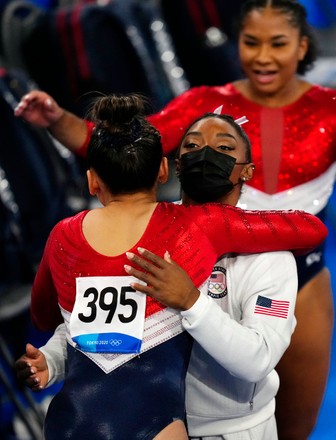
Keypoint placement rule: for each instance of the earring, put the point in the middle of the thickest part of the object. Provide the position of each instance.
(244, 178)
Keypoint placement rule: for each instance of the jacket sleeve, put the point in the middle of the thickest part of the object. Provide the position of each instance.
(55, 352)
(249, 341)
(232, 229)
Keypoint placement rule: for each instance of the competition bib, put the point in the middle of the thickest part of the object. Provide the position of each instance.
(108, 315)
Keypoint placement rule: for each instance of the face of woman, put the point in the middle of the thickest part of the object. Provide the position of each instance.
(215, 133)
(218, 135)
(270, 48)
(209, 173)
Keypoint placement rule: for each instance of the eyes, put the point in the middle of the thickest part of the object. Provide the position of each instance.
(274, 44)
(194, 146)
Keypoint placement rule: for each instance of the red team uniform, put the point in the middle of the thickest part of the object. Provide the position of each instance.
(133, 393)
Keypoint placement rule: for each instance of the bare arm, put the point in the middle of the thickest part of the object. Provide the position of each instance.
(40, 109)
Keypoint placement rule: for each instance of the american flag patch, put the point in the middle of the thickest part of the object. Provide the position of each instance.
(217, 277)
(272, 307)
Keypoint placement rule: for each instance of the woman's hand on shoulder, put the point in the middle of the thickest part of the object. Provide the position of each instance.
(165, 280)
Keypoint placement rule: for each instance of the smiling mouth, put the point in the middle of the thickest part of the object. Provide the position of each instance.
(264, 76)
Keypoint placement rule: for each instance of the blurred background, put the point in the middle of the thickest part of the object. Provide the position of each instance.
(75, 50)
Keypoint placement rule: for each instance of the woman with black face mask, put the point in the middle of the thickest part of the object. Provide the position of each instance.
(210, 164)
(243, 321)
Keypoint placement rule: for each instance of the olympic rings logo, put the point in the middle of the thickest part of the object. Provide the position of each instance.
(217, 286)
(115, 342)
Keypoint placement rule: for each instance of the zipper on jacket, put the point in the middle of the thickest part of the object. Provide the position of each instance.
(252, 397)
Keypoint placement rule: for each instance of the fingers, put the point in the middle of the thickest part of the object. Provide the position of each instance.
(28, 360)
(28, 375)
(19, 109)
(32, 352)
(143, 263)
(21, 365)
(33, 382)
(141, 276)
(155, 267)
(31, 100)
(24, 104)
(153, 274)
(32, 369)
(167, 257)
(158, 261)
(135, 272)
(142, 288)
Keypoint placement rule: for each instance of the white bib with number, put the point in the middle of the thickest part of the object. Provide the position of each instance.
(108, 315)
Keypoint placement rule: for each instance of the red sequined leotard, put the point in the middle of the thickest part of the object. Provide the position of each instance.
(103, 393)
(293, 147)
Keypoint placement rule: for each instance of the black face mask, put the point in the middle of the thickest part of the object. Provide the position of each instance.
(205, 174)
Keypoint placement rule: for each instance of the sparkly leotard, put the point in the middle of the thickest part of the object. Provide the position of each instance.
(293, 148)
(112, 396)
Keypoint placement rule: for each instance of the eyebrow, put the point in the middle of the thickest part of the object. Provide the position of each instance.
(219, 135)
(275, 37)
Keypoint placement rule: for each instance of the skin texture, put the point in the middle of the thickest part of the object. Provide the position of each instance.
(270, 48)
(40, 109)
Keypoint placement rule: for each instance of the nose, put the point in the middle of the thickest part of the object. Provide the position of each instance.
(263, 54)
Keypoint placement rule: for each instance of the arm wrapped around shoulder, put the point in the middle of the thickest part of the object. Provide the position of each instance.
(261, 231)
